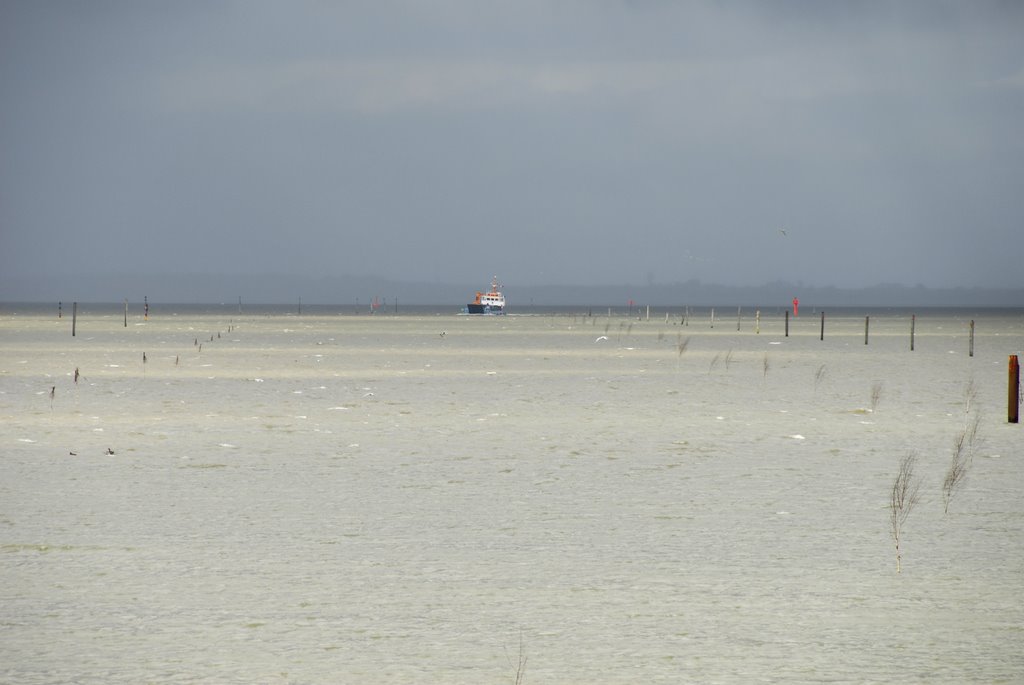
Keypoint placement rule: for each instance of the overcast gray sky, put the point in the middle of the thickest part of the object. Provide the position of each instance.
(558, 141)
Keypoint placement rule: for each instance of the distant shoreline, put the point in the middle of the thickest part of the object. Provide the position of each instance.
(354, 291)
(722, 313)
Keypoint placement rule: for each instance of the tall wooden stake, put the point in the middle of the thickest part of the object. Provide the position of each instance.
(1013, 392)
(787, 323)
(822, 325)
(74, 317)
(126, 312)
(970, 346)
(913, 322)
(866, 319)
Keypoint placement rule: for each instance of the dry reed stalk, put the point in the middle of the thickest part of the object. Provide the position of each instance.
(903, 497)
(876, 394)
(520, 665)
(714, 362)
(963, 457)
(970, 395)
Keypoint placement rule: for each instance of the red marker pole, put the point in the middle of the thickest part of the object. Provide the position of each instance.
(1013, 394)
(796, 307)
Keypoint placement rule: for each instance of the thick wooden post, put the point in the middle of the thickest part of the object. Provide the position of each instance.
(913, 322)
(822, 325)
(866, 321)
(787, 323)
(1013, 392)
(970, 345)
(74, 317)
(126, 312)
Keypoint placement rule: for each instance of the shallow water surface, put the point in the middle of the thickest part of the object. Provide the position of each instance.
(413, 499)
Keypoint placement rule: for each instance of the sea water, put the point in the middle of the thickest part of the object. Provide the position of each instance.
(262, 496)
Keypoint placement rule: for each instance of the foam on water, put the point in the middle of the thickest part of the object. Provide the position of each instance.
(359, 499)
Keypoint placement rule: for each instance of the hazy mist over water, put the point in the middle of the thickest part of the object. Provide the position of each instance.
(335, 496)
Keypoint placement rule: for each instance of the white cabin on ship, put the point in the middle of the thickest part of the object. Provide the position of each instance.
(491, 302)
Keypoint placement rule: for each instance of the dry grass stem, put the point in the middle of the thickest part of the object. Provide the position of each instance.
(905, 489)
(520, 665)
(714, 362)
(682, 343)
(970, 395)
(963, 457)
(876, 394)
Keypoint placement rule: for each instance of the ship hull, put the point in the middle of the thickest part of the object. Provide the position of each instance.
(476, 308)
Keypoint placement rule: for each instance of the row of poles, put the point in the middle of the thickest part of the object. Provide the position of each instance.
(1013, 385)
(1013, 395)
(867, 329)
(74, 313)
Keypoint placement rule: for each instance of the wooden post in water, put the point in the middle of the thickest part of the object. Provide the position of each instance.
(787, 323)
(970, 345)
(913, 322)
(74, 317)
(866, 319)
(1013, 392)
(126, 312)
(822, 325)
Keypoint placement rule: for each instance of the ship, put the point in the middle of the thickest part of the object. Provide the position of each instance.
(491, 302)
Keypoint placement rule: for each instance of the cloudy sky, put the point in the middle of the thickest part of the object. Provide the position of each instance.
(549, 142)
